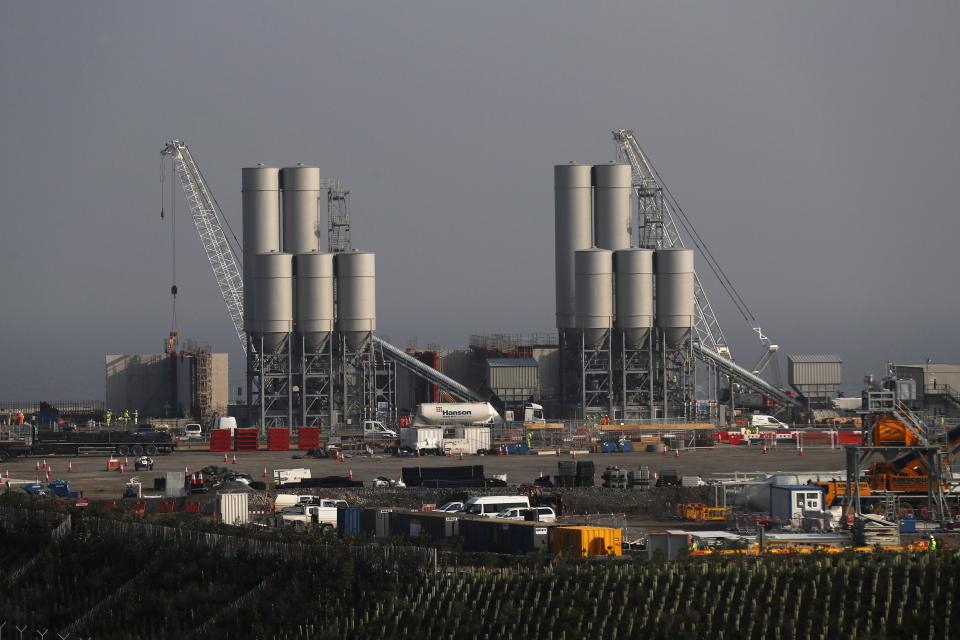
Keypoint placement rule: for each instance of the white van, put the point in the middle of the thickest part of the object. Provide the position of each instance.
(760, 421)
(490, 506)
(225, 423)
(544, 514)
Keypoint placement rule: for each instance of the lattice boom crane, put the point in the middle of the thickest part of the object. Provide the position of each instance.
(206, 216)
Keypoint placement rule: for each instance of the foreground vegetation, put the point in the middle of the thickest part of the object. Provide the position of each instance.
(92, 583)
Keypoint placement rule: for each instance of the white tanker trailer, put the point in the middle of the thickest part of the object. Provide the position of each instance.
(456, 413)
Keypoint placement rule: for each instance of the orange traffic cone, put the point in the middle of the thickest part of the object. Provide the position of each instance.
(663, 449)
(801, 451)
(186, 471)
(558, 452)
(449, 453)
(461, 456)
(350, 474)
(44, 463)
(764, 449)
(234, 458)
(38, 466)
(125, 461)
(264, 472)
(120, 469)
(676, 453)
(573, 454)
(224, 456)
(69, 466)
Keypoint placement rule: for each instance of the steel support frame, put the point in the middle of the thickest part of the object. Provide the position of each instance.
(635, 368)
(596, 376)
(677, 379)
(269, 388)
(366, 379)
(316, 374)
(934, 459)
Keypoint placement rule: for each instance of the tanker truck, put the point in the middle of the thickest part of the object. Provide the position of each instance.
(459, 427)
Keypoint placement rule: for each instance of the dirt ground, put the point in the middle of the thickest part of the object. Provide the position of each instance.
(90, 476)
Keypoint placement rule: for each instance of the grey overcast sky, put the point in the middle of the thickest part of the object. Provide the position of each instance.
(816, 145)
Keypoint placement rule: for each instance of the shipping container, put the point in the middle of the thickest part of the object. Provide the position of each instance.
(467, 440)
(672, 544)
(233, 509)
(581, 542)
(419, 524)
(499, 536)
(348, 521)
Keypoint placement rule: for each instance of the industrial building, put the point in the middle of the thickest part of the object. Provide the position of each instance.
(186, 383)
(937, 388)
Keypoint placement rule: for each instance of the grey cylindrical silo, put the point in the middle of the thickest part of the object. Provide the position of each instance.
(594, 287)
(356, 294)
(611, 206)
(273, 297)
(675, 297)
(573, 230)
(261, 226)
(300, 187)
(634, 294)
(314, 316)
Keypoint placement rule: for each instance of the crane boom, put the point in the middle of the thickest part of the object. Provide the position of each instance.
(206, 216)
(660, 231)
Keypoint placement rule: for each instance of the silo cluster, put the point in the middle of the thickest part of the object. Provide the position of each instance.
(288, 281)
(625, 314)
(601, 281)
(299, 301)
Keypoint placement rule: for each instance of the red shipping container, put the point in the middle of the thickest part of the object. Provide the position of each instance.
(308, 438)
(191, 506)
(278, 439)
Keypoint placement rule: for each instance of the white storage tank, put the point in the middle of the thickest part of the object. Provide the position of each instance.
(674, 294)
(357, 295)
(301, 208)
(261, 225)
(573, 230)
(594, 294)
(314, 315)
(634, 294)
(611, 206)
(273, 298)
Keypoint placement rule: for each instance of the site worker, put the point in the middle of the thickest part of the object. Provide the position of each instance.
(932, 545)
(108, 417)
(136, 416)
(529, 440)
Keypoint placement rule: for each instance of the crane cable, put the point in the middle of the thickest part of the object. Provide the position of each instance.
(687, 224)
(173, 238)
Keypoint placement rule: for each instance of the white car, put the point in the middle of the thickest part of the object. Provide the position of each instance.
(545, 514)
(450, 507)
(193, 432)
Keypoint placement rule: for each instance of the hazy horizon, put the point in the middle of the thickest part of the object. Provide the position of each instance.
(814, 146)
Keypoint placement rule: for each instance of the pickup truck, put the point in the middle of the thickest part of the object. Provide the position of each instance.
(303, 516)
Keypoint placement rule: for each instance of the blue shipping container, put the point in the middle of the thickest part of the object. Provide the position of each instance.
(348, 521)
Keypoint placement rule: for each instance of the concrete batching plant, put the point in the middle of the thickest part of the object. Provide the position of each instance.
(627, 347)
(312, 359)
